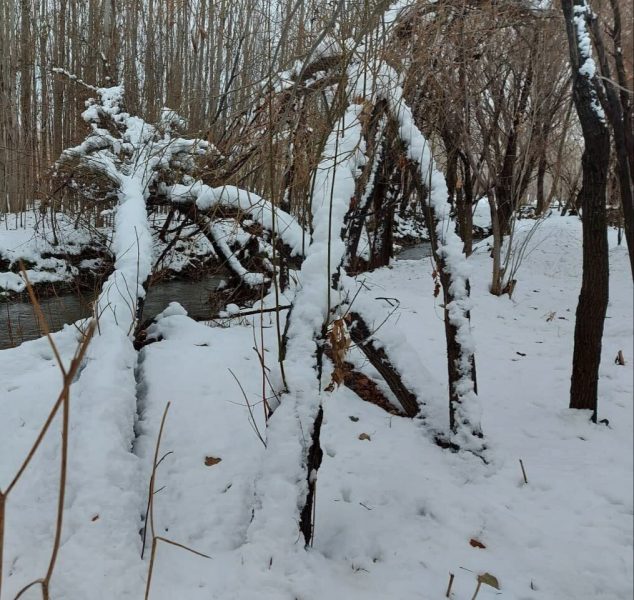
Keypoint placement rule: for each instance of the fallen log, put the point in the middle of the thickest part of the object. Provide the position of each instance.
(361, 335)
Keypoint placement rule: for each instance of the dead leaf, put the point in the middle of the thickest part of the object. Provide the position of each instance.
(353, 419)
(436, 277)
(94, 518)
(210, 461)
(489, 579)
(476, 543)
(339, 339)
(365, 436)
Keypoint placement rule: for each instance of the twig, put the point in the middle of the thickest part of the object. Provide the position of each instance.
(173, 543)
(149, 512)
(3, 504)
(523, 471)
(28, 586)
(75, 363)
(151, 567)
(451, 578)
(252, 421)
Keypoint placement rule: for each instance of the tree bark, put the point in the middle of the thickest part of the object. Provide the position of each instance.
(593, 299)
(617, 107)
(360, 335)
(541, 174)
(508, 188)
(455, 349)
(497, 276)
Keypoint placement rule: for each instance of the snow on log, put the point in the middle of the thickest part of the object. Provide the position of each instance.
(217, 234)
(465, 405)
(283, 484)
(106, 491)
(262, 211)
(128, 152)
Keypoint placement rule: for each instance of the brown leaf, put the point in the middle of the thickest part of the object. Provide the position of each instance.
(489, 579)
(94, 518)
(339, 339)
(476, 543)
(365, 436)
(210, 461)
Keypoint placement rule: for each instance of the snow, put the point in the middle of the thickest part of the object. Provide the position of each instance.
(395, 514)
(33, 242)
(482, 214)
(588, 68)
(260, 210)
(219, 231)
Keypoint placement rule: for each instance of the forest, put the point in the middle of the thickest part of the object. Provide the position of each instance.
(316, 299)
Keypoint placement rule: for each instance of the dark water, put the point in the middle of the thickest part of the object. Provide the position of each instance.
(18, 321)
(415, 252)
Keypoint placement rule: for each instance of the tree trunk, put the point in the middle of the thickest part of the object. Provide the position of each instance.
(617, 107)
(507, 188)
(382, 197)
(361, 335)
(541, 174)
(593, 299)
(496, 278)
(455, 349)
(466, 201)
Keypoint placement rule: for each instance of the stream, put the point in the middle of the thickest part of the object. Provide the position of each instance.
(19, 323)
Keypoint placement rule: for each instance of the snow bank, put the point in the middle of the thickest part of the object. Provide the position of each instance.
(33, 242)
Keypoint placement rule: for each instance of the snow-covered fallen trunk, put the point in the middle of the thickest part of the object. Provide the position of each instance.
(464, 406)
(217, 233)
(282, 486)
(132, 248)
(105, 498)
(453, 270)
(274, 219)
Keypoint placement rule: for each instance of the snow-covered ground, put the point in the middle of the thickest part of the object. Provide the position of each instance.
(395, 514)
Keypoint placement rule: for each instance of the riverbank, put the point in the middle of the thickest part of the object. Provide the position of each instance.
(66, 255)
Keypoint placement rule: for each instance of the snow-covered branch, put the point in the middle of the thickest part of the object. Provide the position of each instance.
(283, 486)
(465, 405)
(262, 211)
